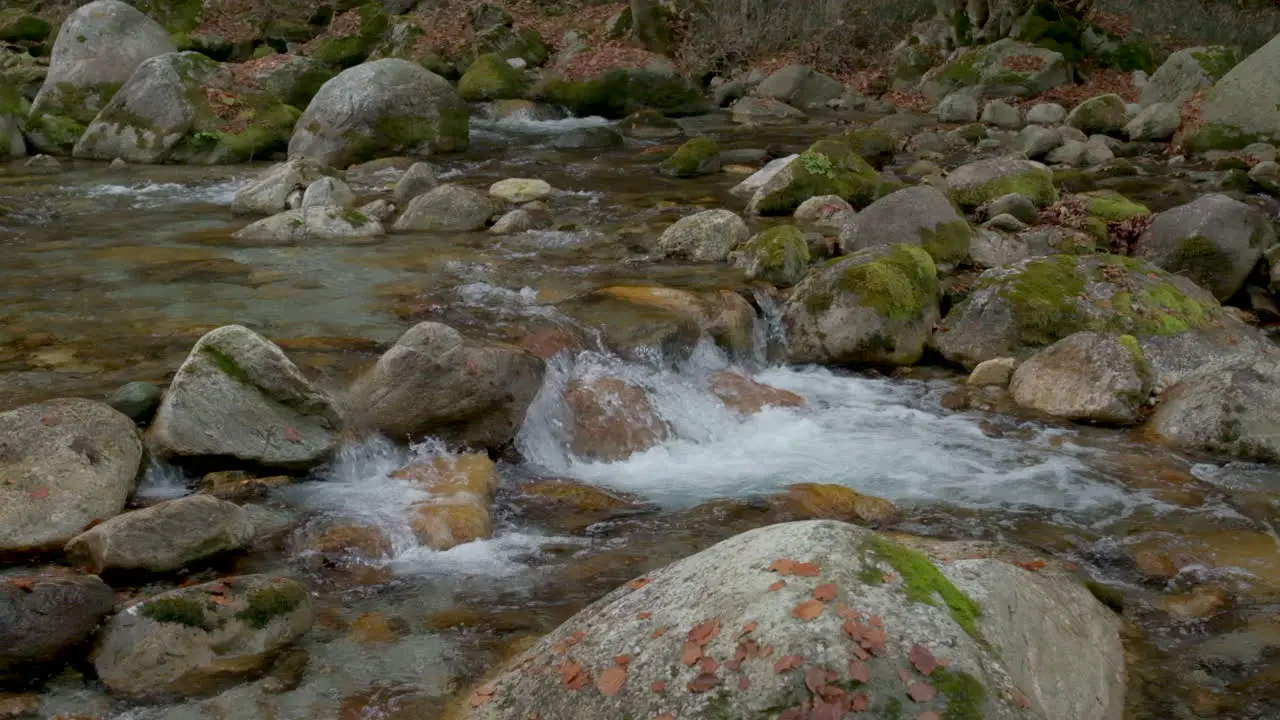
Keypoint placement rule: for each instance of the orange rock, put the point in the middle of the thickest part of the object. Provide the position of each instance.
(580, 497)
(1201, 602)
(373, 628)
(441, 526)
(612, 419)
(748, 397)
(473, 473)
(365, 543)
(837, 502)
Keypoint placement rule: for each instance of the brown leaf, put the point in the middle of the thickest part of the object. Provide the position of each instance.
(50, 420)
(876, 621)
(708, 664)
(854, 629)
(658, 686)
(807, 610)
(691, 653)
(778, 585)
(639, 583)
(1020, 700)
(734, 665)
(827, 711)
(292, 435)
(787, 662)
(659, 632)
(783, 566)
(612, 680)
(705, 632)
(844, 612)
(39, 493)
(922, 659)
(806, 570)
(644, 616)
(921, 692)
(748, 628)
(814, 679)
(622, 660)
(826, 593)
(573, 676)
(1033, 565)
(859, 671)
(766, 651)
(703, 683)
(220, 600)
(482, 695)
(860, 702)
(744, 682)
(24, 584)
(665, 717)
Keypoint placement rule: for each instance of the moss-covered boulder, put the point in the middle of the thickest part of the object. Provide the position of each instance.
(920, 216)
(97, 49)
(1243, 107)
(1215, 240)
(404, 41)
(1187, 71)
(1104, 114)
(876, 306)
(828, 167)
(1087, 376)
(874, 144)
(1006, 68)
(492, 78)
(349, 49)
(778, 256)
(649, 125)
(202, 639)
(699, 156)
(1093, 212)
(509, 43)
(620, 92)
(18, 25)
(980, 182)
(290, 79)
(384, 107)
(1033, 303)
(1227, 406)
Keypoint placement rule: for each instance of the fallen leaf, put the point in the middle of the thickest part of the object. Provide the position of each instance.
(922, 659)
(859, 671)
(826, 593)
(861, 654)
(659, 632)
(778, 585)
(744, 683)
(24, 584)
(782, 566)
(39, 493)
(612, 680)
(888, 578)
(703, 683)
(877, 621)
(1068, 565)
(795, 713)
(292, 435)
(844, 612)
(658, 686)
(665, 717)
(622, 660)
(705, 632)
(639, 583)
(1033, 565)
(875, 641)
(860, 702)
(644, 616)
(748, 628)
(814, 679)
(806, 570)
(827, 711)
(573, 676)
(691, 653)
(708, 664)
(807, 610)
(482, 695)
(787, 662)
(766, 651)
(746, 649)
(853, 629)
(734, 665)
(921, 692)
(220, 600)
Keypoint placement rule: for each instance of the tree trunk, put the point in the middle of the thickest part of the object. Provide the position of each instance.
(649, 26)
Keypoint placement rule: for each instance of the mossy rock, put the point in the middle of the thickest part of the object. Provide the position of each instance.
(265, 132)
(874, 144)
(18, 25)
(176, 16)
(778, 256)
(352, 50)
(620, 92)
(1108, 206)
(492, 78)
(993, 70)
(699, 156)
(981, 182)
(509, 43)
(829, 167)
(54, 134)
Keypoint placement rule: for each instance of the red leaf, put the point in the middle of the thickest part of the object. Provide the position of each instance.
(658, 686)
(1020, 700)
(744, 683)
(795, 713)
(783, 566)
(644, 616)
(877, 621)
(827, 711)
(787, 662)
(622, 660)
(639, 583)
(482, 695)
(734, 665)
(39, 493)
(748, 628)
(921, 692)
(859, 671)
(703, 683)
(826, 593)
(1033, 565)
(814, 679)
(807, 610)
(612, 680)
(924, 660)
(844, 612)
(573, 676)
(705, 632)
(291, 434)
(860, 702)
(778, 585)
(806, 570)
(707, 664)
(691, 653)
(766, 651)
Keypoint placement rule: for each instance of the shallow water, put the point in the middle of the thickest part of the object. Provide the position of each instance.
(111, 275)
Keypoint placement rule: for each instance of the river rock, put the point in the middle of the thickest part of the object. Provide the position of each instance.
(98, 47)
(40, 617)
(758, 179)
(698, 156)
(764, 111)
(597, 137)
(747, 397)
(1005, 68)
(636, 320)
(920, 216)
(64, 464)
(1214, 240)
(1241, 107)
(520, 190)
(379, 108)
(238, 397)
(1015, 204)
(979, 182)
(1002, 115)
(829, 167)
(448, 208)
(1100, 114)
(463, 487)
(707, 236)
(1157, 121)
(137, 400)
(1047, 114)
(328, 192)
(312, 224)
(1037, 141)
(1229, 406)
(1187, 71)
(13, 113)
(994, 373)
(787, 618)
(1266, 175)
(825, 213)
(490, 77)
(1088, 376)
(435, 383)
(1035, 302)
(875, 306)
(801, 87)
(199, 640)
(419, 179)
(270, 192)
(778, 256)
(960, 106)
(818, 501)
(166, 536)
(611, 419)
(512, 223)
(991, 248)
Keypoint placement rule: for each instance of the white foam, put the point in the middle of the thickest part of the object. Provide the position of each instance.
(522, 123)
(153, 195)
(163, 481)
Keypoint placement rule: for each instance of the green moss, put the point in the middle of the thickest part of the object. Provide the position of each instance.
(618, 93)
(1106, 595)
(178, 610)
(1035, 183)
(267, 603)
(924, 583)
(698, 156)
(781, 254)
(965, 696)
(892, 709)
(1216, 136)
(1111, 206)
(829, 167)
(1217, 61)
(11, 101)
(18, 25)
(873, 144)
(869, 574)
(355, 217)
(963, 71)
(1169, 311)
(894, 284)
(56, 130)
(491, 78)
(1042, 299)
(507, 43)
(948, 242)
(351, 51)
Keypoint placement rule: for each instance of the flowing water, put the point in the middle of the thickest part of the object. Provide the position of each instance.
(110, 276)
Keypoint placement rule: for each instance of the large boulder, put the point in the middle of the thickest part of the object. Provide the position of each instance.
(64, 465)
(435, 383)
(1157, 121)
(1187, 71)
(279, 187)
(1094, 377)
(820, 618)
(875, 306)
(1214, 240)
(801, 87)
(980, 182)
(384, 107)
(447, 208)
(163, 537)
(1230, 406)
(1241, 107)
(920, 216)
(40, 617)
(699, 156)
(97, 49)
(199, 640)
(779, 256)
(238, 398)
(828, 167)
(311, 224)
(1101, 114)
(1005, 68)
(707, 236)
(1019, 308)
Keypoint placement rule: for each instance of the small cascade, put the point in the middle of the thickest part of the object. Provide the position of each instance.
(769, 333)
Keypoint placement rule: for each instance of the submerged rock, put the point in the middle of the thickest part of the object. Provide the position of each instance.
(520, 190)
(448, 208)
(875, 306)
(419, 179)
(1214, 240)
(64, 464)
(764, 111)
(270, 192)
(312, 224)
(1087, 376)
(238, 397)
(638, 320)
(824, 617)
(40, 617)
(200, 640)
(137, 400)
(707, 236)
(835, 502)
(163, 537)
(435, 383)
(920, 216)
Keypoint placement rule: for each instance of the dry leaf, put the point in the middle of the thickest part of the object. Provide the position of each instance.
(1033, 565)
(860, 702)
(705, 632)
(921, 692)
(766, 651)
(783, 566)
(744, 683)
(1020, 700)
(573, 676)
(814, 679)
(795, 713)
(778, 585)
(622, 660)
(807, 610)
(39, 493)
(612, 680)
(827, 711)
(691, 653)
(708, 664)
(748, 628)
(859, 671)
(659, 632)
(291, 434)
(787, 662)
(644, 616)
(24, 584)
(639, 583)
(734, 665)
(703, 683)
(482, 695)
(922, 659)
(806, 569)
(876, 621)
(826, 593)
(904, 675)
(658, 686)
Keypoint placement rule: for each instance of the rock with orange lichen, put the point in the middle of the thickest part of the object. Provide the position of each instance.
(463, 488)
(748, 397)
(836, 502)
(611, 419)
